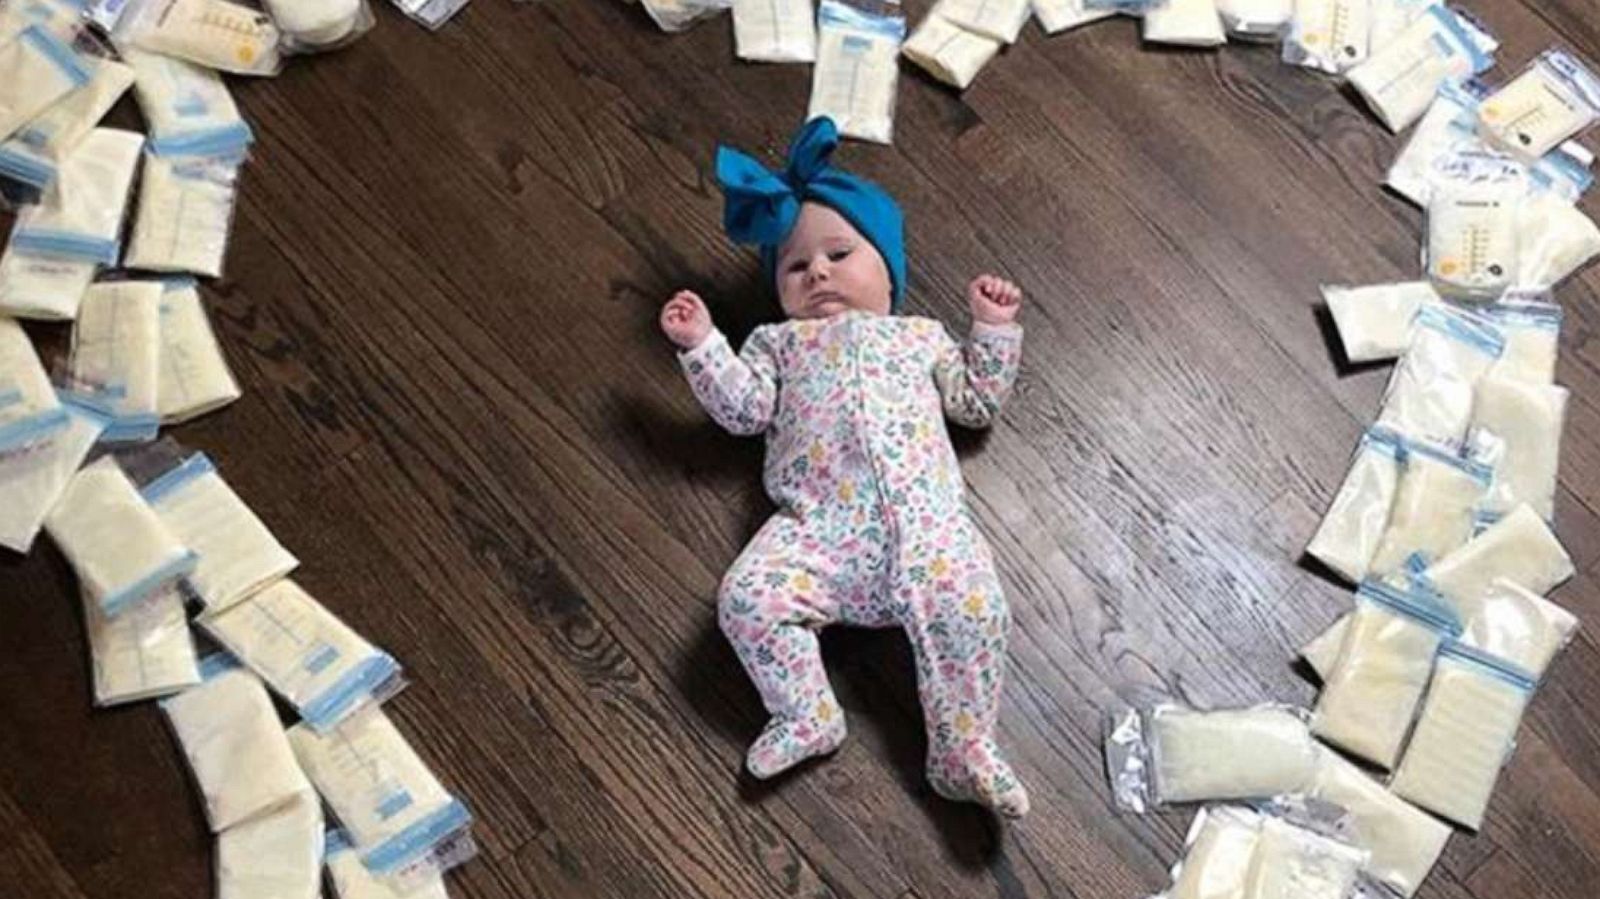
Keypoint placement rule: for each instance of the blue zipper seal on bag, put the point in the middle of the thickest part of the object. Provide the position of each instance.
(832, 12)
(1423, 607)
(58, 52)
(328, 709)
(1461, 326)
(223, 140)
(418, 839)
(150, 583)
(103, 250)
(1496, 667)
(1478, 471)
(23, 167)
(193, 467)
(15, 433)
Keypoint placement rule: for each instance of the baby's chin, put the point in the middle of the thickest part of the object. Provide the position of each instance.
(827, 308)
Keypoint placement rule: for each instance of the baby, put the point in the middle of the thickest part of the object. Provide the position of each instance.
(872, 528)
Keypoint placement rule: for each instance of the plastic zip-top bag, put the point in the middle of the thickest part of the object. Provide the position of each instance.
(238, 553)
(1356, 520)
(119, 547)
(775, 30)
(1370, 697)
(1400, 79)
(857, 70)
(947, 51)
(1430, 392)
(217, 34)
(1464, 735)
(1557, 97)
(305, 654)
(1177, 754)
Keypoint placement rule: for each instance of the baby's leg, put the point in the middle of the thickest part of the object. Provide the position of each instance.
(956, 617)
(770, 607)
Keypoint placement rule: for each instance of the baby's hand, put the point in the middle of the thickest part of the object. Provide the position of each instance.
(686, 320)
(995, 301)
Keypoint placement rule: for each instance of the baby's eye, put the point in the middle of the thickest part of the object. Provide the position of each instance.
(836, 255)
(796, 267)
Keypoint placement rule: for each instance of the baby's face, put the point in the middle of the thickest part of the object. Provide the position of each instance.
(826, 267)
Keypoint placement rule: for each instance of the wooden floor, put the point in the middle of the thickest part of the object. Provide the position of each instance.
(459, 413)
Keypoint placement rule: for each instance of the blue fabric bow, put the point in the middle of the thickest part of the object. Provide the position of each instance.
(761, 207)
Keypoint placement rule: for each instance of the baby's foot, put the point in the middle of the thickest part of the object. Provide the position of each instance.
(785, 743)
(976, 773)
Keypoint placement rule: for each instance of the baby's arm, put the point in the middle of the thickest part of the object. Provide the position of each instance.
(738, 392)
(975, 378)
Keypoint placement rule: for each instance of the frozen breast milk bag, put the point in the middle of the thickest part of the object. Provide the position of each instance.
(1554, 240)
(1472, 249)
(857, 70)
(949, 52)
(1532, 330)
(1056, 16)
(218, 34)
(1402, 77)
(145, 651)
(238, 554)
(1404, 841)
(1221, 842)
(37, 68)
(316, 22)
(1433, 509)
(275, 855)
(1528, 419)
(34, 153)
(43, 287)
(352, 880)
(185, 214)
(120, 549)
(1328, 35)
(116, 346)
(34, 473)
(187, 107)
(1322, 651)
(195, 378)
(1256, 20)
(1370, 696)
(1464, 735)
(1293, 863)
(1229, 754)
(1429, 395)
(1374, 322)
(306, 654)
(81, 216)
(1354, 524)
(24, 384)
(1190, 23)
(775, 30)
(1515, 624)
(1447, 123)
(1519, 547)
(670, 15)
(237, 750)
(1001, 20)
(1553, 99)
(394, 808)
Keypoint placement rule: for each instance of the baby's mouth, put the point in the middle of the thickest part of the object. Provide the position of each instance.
(825, 297)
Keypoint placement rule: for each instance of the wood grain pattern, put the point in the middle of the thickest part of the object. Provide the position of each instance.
(441, 301)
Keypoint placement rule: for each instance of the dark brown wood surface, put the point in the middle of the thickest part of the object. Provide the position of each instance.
(441, 301)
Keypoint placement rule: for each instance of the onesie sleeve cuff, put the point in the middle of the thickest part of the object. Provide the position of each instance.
(986, 331)
(715, 343)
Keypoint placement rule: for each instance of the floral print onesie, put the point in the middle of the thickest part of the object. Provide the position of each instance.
(871, 530)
